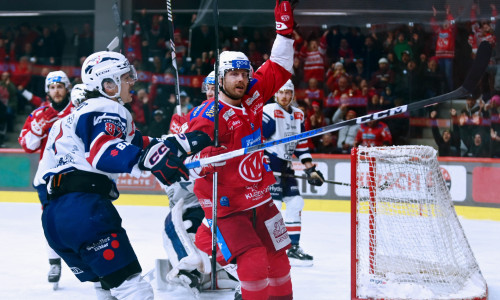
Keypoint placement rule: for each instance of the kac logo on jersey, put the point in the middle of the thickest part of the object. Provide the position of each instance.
(251, 168)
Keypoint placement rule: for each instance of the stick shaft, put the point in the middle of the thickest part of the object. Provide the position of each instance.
(173, 55)
(306, 178)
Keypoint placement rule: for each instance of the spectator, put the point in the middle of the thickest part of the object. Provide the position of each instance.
(347, 134)
(46, 47)
(383, 77)
(326, 144)
(159, 125)
(84, 42)
(448, 142)
(26, 36)
(481, 31)
(312, 54)
(433, 79)
(493, 107)
(333, 75)
(372, 52)
(445, 45)
(373, 134)
(402, 46)
(345, 54)
(8, 97)
(203, 40)
(60, 41)
(316, 118)
(313, 93)
(477, 148)
(181, 44)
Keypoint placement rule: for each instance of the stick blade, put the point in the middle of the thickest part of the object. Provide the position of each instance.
(478, 66)
(113, 44)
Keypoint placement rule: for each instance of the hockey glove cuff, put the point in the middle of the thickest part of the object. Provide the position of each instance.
(314, 177)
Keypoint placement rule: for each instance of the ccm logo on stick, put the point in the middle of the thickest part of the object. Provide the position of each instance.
(382, 114)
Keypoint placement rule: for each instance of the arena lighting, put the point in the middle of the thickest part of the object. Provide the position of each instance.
(19, 14)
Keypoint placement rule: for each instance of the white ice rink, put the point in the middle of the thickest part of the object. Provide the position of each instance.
(326, 236)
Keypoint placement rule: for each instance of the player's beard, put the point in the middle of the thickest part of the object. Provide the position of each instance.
(234, 94)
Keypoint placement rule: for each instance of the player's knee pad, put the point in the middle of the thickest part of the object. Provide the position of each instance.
(179, 244)
(253, 273)
(294, 206)
(280, 280)
(134, 287)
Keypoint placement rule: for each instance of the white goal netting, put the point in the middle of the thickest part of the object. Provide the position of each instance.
(409, 241)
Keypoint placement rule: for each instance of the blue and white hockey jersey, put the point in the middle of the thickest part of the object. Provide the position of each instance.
(278, 123)
(99, 137)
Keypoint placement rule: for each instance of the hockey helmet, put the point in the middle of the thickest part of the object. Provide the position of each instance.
(209, 80)
(288, 86)
(78, 94)
(234, 60)
(56, 77)
(106, 66)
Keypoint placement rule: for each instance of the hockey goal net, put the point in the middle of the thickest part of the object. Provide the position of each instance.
(406, 240)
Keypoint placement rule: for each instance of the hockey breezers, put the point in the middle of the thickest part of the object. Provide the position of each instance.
(473, 77)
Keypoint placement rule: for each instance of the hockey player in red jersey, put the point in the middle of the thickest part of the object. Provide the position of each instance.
(33, 138)
(251, 230)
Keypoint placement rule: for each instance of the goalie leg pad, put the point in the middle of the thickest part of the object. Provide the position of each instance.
(180, 247)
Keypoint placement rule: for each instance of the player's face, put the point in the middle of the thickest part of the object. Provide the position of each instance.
(236, 83)
(57, 92)
(127, 82)
(284, 97)
(210, 91)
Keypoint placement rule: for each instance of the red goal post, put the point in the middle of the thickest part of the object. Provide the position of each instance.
(406, 239)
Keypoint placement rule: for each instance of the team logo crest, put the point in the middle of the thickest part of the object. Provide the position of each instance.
(251, 168)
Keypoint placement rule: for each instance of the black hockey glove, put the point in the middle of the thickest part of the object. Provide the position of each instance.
(314, 177)
(162, 160)
(189, 143)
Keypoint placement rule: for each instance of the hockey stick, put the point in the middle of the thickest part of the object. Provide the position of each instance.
(306, 178)
(113, 44)
(119, 28)
(174, 60)
(473, 77)
(213, 277)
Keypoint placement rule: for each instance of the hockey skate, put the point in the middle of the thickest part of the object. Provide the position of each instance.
(298, 258)
(54, 272)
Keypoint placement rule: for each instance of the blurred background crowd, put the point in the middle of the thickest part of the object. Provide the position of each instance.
(340, 73)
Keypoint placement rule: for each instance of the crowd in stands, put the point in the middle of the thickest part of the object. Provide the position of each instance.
(339, 73)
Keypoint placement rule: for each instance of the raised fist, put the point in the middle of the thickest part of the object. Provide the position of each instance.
(283, 15)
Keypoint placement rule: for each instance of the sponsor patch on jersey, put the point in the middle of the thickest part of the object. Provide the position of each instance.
(224, 201)
(205, 202)
(250, 100)
(233, 124)
(210, 111)
(279, 114)
(297, 115)
(251, 139)
(197, 111)
(228, 114)
(277, 232)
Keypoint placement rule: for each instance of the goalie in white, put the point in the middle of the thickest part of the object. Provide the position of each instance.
(281, 120)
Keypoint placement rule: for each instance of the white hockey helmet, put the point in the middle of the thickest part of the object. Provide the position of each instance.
(78, 94)
(209, 80)
(288, 86)
(234, 60)
(56, 77)
(105, 66)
